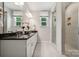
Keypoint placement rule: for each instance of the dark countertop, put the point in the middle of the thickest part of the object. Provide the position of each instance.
(13, 36)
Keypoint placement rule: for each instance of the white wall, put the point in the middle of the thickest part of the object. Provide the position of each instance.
(59, 27)
(44, 33)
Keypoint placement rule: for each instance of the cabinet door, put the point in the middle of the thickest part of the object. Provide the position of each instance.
(31, 43)
(12, 48)
(29, 54)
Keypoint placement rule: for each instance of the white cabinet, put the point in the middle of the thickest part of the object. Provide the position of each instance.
(12, 48)
(31, 43)
(18, 48)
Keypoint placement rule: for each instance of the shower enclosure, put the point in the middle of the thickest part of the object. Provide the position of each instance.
(72, 30)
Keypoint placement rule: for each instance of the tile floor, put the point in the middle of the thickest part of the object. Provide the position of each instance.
(46, 49)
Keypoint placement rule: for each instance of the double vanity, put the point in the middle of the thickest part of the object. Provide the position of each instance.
(15, 45)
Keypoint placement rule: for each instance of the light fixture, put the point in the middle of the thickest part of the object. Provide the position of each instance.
(28, 14)
(19, 3)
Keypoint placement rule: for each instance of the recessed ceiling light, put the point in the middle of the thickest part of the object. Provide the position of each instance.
(19, 3)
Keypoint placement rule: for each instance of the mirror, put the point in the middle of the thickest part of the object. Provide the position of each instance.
(1, 17)
(13, 13)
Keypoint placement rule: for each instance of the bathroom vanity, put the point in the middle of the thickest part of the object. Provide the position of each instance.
(23, 46)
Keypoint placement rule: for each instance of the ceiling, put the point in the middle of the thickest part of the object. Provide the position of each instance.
(33, 6)
(12, 6)
(40, 6)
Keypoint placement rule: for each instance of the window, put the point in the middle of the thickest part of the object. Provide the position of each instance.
(18, 20)
(44, 20)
